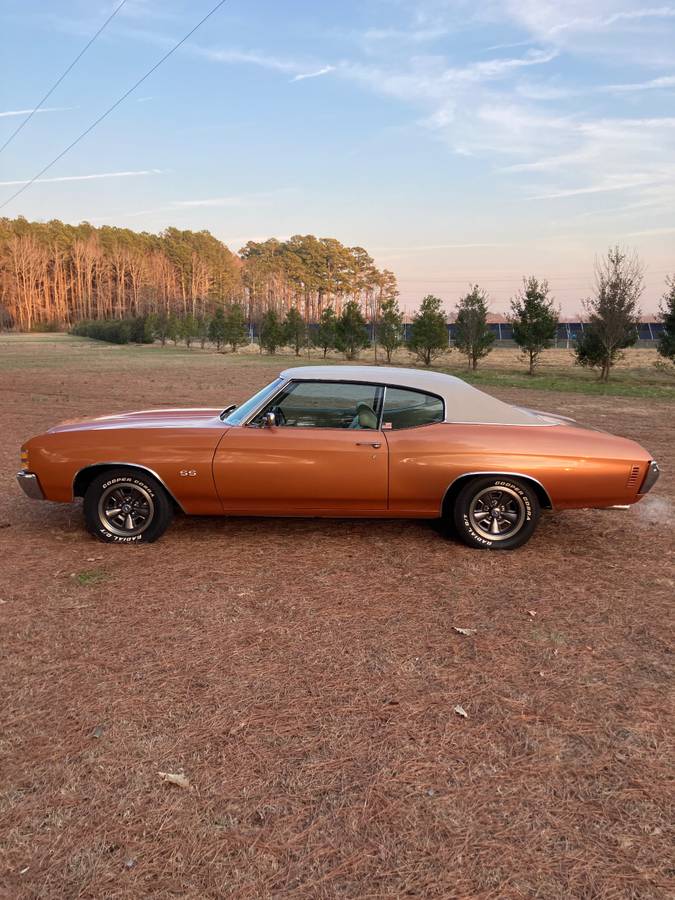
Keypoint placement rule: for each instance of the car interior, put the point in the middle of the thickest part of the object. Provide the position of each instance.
(325, 404)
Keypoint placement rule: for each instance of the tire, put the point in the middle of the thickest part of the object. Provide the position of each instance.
(143, 503)
(510, 525)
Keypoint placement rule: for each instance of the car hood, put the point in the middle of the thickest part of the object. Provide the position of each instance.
(147, 418)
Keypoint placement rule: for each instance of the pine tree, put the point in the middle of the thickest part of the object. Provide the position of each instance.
(613, 313)
(271, 332)
(236, 332)
(295, 330)
(217, 327)
(203, 325)
(189, 330)
(351, 333)
(666, 345)
(429, 331)
(162, 328)
(473, 338)
(390, 327)
(534, 319)
(174, 328)
(326, 332)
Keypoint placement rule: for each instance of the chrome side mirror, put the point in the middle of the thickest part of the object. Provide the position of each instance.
(269, 420)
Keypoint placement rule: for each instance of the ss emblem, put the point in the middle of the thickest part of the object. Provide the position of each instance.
(188, 473)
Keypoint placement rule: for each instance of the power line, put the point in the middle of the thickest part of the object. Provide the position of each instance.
(57, 83)
(114, 106)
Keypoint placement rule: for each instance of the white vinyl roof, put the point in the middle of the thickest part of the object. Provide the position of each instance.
(463, 402)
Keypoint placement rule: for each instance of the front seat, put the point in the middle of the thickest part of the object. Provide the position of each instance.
(365, 417)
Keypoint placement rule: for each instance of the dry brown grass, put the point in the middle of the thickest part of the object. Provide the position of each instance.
(303, 676)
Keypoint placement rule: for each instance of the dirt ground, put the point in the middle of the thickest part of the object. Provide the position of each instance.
(303, 676)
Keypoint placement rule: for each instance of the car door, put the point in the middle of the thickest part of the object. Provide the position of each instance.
(326, 454)
(421, 451)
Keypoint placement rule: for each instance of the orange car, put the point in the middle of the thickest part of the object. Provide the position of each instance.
(348, 441)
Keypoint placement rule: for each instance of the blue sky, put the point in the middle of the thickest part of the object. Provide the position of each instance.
(456, 141)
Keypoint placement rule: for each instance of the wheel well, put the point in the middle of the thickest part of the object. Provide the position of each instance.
(458, 484)
(85, 477)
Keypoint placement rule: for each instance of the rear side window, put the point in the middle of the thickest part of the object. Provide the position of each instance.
(410, 409)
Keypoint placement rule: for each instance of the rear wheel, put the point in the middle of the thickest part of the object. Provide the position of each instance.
(126, 506)
(496, 513)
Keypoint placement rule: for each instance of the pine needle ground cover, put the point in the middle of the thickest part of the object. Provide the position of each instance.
(269, 708)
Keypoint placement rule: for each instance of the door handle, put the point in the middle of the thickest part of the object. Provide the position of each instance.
(376, 444)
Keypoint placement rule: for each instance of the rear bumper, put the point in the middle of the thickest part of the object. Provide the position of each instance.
(650, 478)
(30, 485)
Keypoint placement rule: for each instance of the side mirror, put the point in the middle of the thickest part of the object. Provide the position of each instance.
(269, 420)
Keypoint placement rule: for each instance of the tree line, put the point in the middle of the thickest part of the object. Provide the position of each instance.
(119, 285)
(53, 275)
(613, 320)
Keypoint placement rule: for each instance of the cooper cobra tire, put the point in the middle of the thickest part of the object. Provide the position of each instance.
(496, 513)
(126, 506)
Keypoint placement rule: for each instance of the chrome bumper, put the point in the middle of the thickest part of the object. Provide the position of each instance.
(650, 478)
(30, 485)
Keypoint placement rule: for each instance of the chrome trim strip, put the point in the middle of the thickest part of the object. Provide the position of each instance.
(492, 472)
(29, 484)
(505, 424)
(109, 463)
(284, 384)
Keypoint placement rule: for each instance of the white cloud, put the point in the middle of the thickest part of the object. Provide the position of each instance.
(245, 57)
(259, 198)
(324, 71)
(611, 183)
(408, 36)
(211, 201)
(428, 78)
(665, 81)
(85, 177)
(651, 232)
(598, 23)
(44, 109)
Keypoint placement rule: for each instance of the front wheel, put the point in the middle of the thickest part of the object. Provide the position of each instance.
(126, 506)
(496, 513)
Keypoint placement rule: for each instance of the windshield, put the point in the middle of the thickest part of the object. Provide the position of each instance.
(241, 413)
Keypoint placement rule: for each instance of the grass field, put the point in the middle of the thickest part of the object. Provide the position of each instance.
(303, 674)
(642, 372)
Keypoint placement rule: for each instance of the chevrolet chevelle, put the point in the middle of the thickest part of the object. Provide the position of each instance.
(339, 441)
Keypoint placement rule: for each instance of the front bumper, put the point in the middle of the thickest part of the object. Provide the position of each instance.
(650, 478)
(30, 485)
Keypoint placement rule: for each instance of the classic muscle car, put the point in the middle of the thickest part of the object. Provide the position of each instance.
(338, 441)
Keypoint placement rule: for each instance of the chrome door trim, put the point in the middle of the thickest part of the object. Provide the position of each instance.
(282, 387)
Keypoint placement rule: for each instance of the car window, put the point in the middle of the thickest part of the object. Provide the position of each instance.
(326, 404)
(409, 409)
(241, 413)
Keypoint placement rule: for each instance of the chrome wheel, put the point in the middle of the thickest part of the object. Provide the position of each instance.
(497, 513)
(126, 509)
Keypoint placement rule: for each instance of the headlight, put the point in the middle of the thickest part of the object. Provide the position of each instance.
(24, 459)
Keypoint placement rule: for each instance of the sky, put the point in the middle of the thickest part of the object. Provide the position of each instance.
(457, 141)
